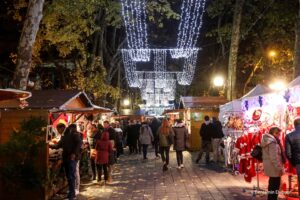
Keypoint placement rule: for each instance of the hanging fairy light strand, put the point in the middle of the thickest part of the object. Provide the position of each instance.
(134, 16)
(130, 71)
(189, 27)
(186, 76)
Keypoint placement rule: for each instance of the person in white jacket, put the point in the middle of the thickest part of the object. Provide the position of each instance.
(145, 138)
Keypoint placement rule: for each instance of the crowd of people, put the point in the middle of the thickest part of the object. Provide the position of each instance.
(93, 147)
(103, 143)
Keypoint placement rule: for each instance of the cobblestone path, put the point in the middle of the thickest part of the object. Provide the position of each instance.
(135, 179)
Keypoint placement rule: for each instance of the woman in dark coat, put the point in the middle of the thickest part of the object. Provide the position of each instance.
(180, 139)
(103, 148)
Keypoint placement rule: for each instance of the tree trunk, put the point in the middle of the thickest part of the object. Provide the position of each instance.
(234, 48)
(297, 47)
(27, 39)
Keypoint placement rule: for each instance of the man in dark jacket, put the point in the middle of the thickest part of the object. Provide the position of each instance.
(131, 138)
(216, 138)
(155, 124)
(206, 132)
(71, 143)
(292, 148)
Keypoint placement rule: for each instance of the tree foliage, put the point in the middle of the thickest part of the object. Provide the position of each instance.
(22, 152)
(90, 33)
(266, 25)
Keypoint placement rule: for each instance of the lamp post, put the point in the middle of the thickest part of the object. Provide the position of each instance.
(271, 54)
(219, 83)
(126, 102)
(278, 85)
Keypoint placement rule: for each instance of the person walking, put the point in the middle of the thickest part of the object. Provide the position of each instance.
(166, 139)
(119, 134)
(155, 124)
(216, 139)
(113, 155)
(206, 132)
(92, 136)
(137, 128)
(180, 141)
(71, 143)
(273, 160)
(292, 148)
(145, 138)
(104, 149)
(132, 137)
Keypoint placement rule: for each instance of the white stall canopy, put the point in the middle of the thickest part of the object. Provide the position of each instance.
(257, 91)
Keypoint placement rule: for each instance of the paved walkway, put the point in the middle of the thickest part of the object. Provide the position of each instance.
(136, 179)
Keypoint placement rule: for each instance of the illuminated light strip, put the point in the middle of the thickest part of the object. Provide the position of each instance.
(189, 27)
(160, 61)
(134, 16)
(130, 73)
(186, 76)
(143, 55)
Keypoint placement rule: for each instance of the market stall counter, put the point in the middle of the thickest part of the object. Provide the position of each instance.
(44, 109)
(195, 108)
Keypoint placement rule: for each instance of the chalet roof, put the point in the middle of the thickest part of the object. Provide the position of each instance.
(58, 101)
(88, 110)
(7, 94)
(202, 102)
(49, 99)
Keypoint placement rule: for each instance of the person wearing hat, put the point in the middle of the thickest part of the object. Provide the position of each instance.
(292, 148)
(71, 143)
(273, 160)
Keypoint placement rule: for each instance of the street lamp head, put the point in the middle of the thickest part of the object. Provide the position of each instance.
(126, 102)
(278, 85)
(272, 53)
(218, 81)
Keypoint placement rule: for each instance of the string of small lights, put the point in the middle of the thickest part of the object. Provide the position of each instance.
(159, 85)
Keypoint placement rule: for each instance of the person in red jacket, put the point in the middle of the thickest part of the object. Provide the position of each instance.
(103, 148)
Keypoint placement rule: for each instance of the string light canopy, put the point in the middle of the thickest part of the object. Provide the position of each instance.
(159, 85)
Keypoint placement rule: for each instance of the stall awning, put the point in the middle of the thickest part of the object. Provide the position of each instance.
(257, 91)
(202, 102)
(8, 94)
(294, 83)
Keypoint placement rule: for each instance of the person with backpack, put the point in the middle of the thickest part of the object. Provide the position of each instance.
(145, 138)
(273, 160)
(166, 138)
